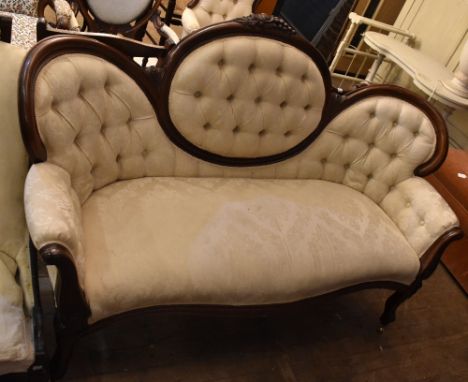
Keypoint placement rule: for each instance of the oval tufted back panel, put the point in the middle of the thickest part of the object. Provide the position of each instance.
(209, 12)
(246, 97)
(92, 119)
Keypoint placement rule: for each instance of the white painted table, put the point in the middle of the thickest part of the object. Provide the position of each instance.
(428, 74)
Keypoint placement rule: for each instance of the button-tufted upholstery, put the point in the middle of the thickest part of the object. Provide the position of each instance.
(207, 12)
(115, 181)
(258, 103)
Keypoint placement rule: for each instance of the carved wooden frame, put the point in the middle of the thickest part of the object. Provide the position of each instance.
(72, 308)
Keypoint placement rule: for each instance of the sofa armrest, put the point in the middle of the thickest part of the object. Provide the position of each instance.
(53, 210)
(189, 21)
(420, 212)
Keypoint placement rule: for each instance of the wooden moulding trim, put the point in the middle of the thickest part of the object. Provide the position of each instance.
(45, 51)
(241, 310)
(432, 256)
(438, 123)
(263, 26)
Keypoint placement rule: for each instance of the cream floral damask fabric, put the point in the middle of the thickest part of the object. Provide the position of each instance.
(23, 29)
(25, 7)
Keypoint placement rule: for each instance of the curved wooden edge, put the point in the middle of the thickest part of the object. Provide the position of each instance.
(45, 51)
(432, 256)
(72, 309)
(438, 123)
(255, 25)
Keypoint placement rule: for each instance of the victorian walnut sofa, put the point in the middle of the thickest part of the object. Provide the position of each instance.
(230, 176)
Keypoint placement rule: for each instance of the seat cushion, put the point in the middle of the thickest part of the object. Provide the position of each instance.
(159, 241)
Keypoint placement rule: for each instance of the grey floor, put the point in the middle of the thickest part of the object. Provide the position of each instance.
(331, 340)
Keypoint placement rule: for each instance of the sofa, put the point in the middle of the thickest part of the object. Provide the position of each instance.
(231, 176)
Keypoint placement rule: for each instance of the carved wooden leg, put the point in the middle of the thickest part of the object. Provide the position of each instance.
(62, 355)
(394, 301)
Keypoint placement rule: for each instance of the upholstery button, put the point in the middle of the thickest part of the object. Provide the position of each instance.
(306, 107)
(391, 188)
(221, 63)
(197, 94)
(346, 166)
(408, 204)
(230, 97)
(394, 155)
(370, 176)
(422, 222)
(279, 71)
(346, 136)
(251, 68)
(371, 145)
(283, 104)
(118, 157)
(371, 115)
(323, 160)
(144, 152)
(234, 2)
(207, 126)
(258, 99)
(415, 133)
(288, 133)
(304, 77)
(236, 129)
(394, 123)
(261, 133)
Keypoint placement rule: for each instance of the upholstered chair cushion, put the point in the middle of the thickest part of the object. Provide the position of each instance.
(207, 12)
(16, 298)
(242, 242)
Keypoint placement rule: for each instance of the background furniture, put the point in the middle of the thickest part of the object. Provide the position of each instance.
(358, 53)
(201, 13)
(127, 18)
(284, 189)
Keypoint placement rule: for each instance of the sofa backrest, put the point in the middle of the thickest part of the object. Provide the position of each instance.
(208, 12)
(247, 98)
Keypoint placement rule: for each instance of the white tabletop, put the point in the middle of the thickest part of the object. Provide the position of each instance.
(428, 74)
